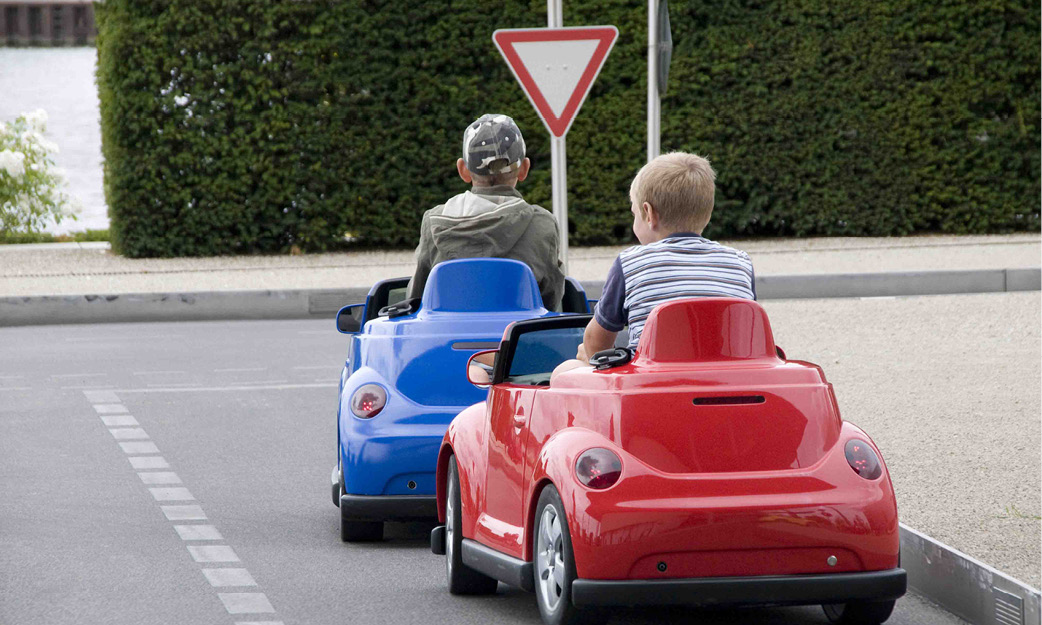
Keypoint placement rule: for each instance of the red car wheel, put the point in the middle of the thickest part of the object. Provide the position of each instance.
(463, 580)
(554, 562)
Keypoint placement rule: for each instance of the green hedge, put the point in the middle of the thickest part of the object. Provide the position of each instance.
(235, 127)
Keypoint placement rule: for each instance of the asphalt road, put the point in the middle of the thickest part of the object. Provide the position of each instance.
(242, 415)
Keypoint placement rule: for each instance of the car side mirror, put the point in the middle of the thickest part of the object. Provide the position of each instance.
(479, 368)
(591, 304)
(349, 318)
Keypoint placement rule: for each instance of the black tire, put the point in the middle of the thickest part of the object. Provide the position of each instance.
(353, 531)
(462, 579)
(859, 612)
(554, 568)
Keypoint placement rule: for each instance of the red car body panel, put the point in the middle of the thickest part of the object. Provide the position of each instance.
(733, 459)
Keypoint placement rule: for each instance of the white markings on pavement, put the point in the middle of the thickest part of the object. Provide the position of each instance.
(101, 397)
(159, 477)
(245, 602)
(78, 375)
(213, 553)
(177, 384)
(198, 532)
(184, 513)
(229, 577)
(96, 387)
(110, 408)
(174, 389)
(123, 419)
(240, 370)
(159, 373)
(148, 462)
(140, 448)
(113, 413)
(128, 434)
(171, 494)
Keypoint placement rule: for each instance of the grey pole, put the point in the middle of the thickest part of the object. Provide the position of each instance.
(654, 111)
(558, 162)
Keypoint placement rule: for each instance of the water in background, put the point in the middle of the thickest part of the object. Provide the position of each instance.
(61, 81)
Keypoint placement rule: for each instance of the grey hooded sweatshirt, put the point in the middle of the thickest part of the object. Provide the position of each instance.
(491, 222)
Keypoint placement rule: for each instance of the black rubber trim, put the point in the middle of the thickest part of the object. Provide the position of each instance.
(388, 507)
(438, 540)
(506, 569)
(734, 591)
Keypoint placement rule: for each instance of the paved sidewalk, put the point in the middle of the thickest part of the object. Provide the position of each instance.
(76, 269)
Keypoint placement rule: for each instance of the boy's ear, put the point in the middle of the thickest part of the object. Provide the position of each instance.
(650, 215)
(464, 173)
(522, 171)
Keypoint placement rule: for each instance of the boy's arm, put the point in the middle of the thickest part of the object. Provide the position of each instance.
(595, 339)
(423, 261)
(610, 316)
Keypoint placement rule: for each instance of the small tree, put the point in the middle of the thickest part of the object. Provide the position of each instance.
(31, 193)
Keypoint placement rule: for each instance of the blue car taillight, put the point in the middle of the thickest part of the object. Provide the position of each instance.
(368, 400)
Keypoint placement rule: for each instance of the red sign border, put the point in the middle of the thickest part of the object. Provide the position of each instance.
(505, 38)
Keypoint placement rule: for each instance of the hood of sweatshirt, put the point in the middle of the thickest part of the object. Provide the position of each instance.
(487, 223)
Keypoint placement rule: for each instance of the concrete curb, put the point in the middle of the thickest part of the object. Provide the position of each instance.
(313, 303)
(964, 586)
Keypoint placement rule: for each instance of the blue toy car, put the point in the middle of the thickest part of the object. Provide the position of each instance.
(403, 381)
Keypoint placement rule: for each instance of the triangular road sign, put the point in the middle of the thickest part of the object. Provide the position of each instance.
(556, 67)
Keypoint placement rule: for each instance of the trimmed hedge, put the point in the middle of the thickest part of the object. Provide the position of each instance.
(257, 127)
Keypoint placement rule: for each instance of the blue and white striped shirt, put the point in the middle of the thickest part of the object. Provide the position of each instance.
(681, 265)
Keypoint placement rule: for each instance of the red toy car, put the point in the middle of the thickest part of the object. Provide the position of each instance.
(706, 470)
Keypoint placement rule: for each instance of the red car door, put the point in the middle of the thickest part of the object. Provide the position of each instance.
(501, 525)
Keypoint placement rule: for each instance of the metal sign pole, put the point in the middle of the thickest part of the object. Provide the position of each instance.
(654, 102)
(558, 162)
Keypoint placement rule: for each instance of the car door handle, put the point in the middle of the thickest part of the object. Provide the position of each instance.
(519, 420)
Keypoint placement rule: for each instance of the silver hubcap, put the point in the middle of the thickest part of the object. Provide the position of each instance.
(549, 557)
(450, 522)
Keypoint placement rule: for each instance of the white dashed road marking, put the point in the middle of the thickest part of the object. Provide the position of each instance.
(128, 434)
(198, 532)
(159, 477)
(171, 494)
(110, 408)
(245, 602)
(101, 397)
(229, 577)
(148, 462)
(140, 448)
(158, 373)
(213, 553)
(184, 513)
(78, 375)
(119, 420)
(175, 389)
(113, 413)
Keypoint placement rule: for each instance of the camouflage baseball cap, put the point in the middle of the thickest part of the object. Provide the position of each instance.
(493, 145)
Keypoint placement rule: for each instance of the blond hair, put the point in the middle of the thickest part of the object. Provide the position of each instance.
(680, 188)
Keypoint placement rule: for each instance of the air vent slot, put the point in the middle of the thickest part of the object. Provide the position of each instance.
(733, 400)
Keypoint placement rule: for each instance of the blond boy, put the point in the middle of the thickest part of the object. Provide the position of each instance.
(672, 200)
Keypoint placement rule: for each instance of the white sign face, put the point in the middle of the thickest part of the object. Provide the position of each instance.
(556, 67)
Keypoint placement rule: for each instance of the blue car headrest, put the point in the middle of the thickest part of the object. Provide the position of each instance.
(480, 285)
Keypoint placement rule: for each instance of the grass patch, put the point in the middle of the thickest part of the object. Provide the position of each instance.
(13, 238)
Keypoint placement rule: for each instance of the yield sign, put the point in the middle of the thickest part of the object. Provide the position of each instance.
(556, 67)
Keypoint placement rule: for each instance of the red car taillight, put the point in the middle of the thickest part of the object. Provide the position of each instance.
(598, 468)
(368, 401)
(862, 459)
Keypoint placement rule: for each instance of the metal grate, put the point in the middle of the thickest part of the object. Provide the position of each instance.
(1009, 608)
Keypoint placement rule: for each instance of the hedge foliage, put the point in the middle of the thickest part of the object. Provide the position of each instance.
(234, 127)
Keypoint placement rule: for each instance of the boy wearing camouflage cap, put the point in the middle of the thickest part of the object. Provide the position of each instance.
(492, 219)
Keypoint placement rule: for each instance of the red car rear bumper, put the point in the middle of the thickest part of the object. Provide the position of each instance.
(724, 591)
